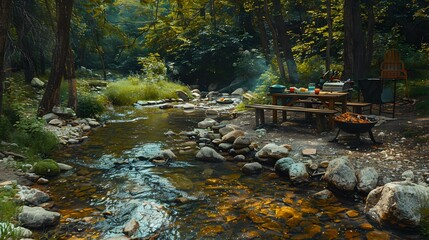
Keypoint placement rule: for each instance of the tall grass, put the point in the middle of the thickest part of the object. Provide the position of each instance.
(133, 89)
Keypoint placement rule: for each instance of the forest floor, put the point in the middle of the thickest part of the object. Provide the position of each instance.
(404, 142)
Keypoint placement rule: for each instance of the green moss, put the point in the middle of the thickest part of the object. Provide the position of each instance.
(424, 222)
(47, 168)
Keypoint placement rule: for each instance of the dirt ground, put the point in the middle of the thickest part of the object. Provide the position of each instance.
(404, 142)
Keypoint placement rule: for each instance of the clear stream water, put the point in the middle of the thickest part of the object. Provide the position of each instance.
(187, 199)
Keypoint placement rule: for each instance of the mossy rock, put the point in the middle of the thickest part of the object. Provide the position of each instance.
(46, 168)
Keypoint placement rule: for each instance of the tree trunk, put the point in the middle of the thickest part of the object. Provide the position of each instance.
(354, 42)
(213, 13)
(275, 42)
(52, 91)
(285, 42)
(263, 34)
(4, 25)
(370, 36)
(329, 42)
(71, 79)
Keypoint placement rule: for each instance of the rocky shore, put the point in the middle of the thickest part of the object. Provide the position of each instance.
(392, 174)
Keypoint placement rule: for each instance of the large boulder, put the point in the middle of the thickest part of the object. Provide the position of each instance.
(367, 179)
(397, 204)
(208, 154)
(272, 151)
(37, 217)
(298, 173)
(63, 111)
(340, 174)
(282, 165)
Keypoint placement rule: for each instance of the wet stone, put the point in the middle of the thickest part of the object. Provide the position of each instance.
(366, 226)
(377, 235)
(352, 213)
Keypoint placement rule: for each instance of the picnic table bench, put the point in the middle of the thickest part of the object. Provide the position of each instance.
(357, 107)
(319, 113)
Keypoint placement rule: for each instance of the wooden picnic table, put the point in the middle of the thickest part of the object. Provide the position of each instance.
(328, 98)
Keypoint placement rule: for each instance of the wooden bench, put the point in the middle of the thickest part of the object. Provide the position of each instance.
(320, 114)
(356, 106)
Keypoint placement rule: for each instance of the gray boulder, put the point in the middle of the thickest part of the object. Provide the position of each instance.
(56, 122)
(231, 136)
(225, 146)
(298, 173)
(206, 123)
(208, 154)
(32, 195)
(272, 151)
(63, 111)
(323, 195)
(397, 204)
(283, 164)
(367, 179)
(242, 142)
(37, 217)
(252, 168)
(49, 116)
(181, 94)
(238, 91)
(228, 128)
(340, 174)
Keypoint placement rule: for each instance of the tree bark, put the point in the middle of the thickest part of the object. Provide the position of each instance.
(71, 79)
(262, 31)
(370, 36)
(354, 42)
(52, 91)
(285, 42)
(329, 42)
(4, 26)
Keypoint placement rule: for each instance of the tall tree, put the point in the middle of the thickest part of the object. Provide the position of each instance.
(4, 26)
(329, 41)
(51, 97)
(354, 42)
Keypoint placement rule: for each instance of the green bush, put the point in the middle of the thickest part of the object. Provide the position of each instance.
(424, 222)
(88, 105)
(47, 168)
(132, 89)
(8, 207)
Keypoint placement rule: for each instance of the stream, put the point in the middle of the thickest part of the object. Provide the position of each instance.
(112, 183)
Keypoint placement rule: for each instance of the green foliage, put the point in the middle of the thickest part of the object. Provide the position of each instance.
(153, 67)
(248, 68)
(89, 105)
(266, 79)
(30, 133)
(132, 89)
(8, 208)
(47, 168)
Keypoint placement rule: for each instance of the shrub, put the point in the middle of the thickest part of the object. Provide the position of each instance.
(132, 89)
(47, 168)
(88, 105)
(5, 128)
(8, 208)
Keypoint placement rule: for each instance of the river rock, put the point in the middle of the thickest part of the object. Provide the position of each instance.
(86, 128)
(298, 173)
(340, 174)
(227, 129)
(206, 123)
(239, 158)
(56, 122)
(63, 111)
(323, 195)
(252, 168)
(37, 217)
(240, 151)
(64, 167)
(397, 204)
(93, 123)
(166, 106)
(37, 83)
(50, 116)
(238, 91)
(232, 136)
(242, 142)
(272, 151)
(408, 176)
(182, 95)
(225, 146)
(213, 112)
(131, 227)
(367, 179)
(282, 165)
(32, 195)
(209, 155)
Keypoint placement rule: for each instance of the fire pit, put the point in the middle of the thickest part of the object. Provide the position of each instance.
(355, 124)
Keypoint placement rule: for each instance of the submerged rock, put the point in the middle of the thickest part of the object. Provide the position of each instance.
(252, 168)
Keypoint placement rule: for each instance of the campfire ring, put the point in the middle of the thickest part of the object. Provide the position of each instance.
(355, 128)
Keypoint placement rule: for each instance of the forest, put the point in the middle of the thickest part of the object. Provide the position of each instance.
(214, 45)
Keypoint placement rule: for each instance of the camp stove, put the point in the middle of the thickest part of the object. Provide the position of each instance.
(337, 86)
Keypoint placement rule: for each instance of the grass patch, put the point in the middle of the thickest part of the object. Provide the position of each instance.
(130, 90)
(9, 209)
